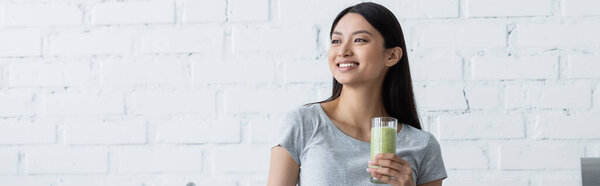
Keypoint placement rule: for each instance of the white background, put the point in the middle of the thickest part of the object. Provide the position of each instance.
(176, 92)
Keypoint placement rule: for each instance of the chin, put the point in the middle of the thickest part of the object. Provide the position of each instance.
(346, 81)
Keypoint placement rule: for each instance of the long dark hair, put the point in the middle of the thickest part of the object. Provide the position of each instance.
(397, 91)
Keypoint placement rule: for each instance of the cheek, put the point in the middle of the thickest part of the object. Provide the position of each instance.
(331, 56)
(373, 56)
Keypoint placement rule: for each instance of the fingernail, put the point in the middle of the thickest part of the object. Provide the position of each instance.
(368, 170)
(371, 161)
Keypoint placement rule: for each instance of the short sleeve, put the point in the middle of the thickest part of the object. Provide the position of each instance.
(432, 166)
(290, 135)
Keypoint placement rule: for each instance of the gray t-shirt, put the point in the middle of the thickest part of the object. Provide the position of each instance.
(327, 156)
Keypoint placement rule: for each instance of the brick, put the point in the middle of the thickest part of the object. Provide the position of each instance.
(24, 180)
(11, 134)
(262, 130)
(440, 97)
(21, 42)
(495, 68)
(441, 67)
(509, 8)
(593, 150)
(266, 100)
(123, 132)
(560, 182)
(246, 71)
(159, 159)
(483, 96)
(482, 126)
(176, 102)
(83, 103)
(183, 40)
(454, 157)
(549, 96)
(48, 74)
(204, 11)
(578, 34)
(27, 15)
(471, 34)
(581, 8)
(257, 183)
(324, 91)
(219, 132)
(583, 66)
(226, 158)
(296, 11)
(316, 71)
(17, 104)
(540, 155)
(62, 160)
(9, 162)
(102, 180)
(574, 126)
(249, 10)
(557, 178)
(189, 179)
(423, 8)
(102, 41)
(144, 71)
(596, 98)
(275, 39)
(133, 12)
(2, 78)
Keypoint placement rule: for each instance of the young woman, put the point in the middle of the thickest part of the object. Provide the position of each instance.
(328, 143)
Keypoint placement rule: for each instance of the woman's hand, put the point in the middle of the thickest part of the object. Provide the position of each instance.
(391, 166)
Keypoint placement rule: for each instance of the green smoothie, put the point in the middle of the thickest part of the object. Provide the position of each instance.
(383, 140)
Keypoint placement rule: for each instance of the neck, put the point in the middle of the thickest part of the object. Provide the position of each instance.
(358, 104)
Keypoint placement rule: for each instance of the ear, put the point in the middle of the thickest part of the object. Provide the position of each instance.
(394, 55)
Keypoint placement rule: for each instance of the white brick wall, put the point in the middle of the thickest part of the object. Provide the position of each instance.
(133, 12)
(186, 92)
(491, 8)
(28, 15)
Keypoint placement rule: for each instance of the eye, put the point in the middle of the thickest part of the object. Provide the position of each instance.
(335, 41)
(359, 40)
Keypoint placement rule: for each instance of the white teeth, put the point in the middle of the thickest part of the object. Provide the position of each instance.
(347, 65)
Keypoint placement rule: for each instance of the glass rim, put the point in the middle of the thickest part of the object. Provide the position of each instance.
(384, 122)
(384, 119)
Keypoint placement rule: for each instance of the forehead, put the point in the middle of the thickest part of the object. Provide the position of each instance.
(353, 22)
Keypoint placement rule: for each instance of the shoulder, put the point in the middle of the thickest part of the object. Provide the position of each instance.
(420, 137)
(303, 113)
(415, 133)
(304, 117)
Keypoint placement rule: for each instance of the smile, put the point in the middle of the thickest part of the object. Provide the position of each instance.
(347, 66)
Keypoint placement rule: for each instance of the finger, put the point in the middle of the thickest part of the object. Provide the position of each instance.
(386, 171)
(385, 155)
(401, 161)
(392, 156)
(387, 179)
(385, 163)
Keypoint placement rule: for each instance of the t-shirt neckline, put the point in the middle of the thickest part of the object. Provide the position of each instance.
(330, 122)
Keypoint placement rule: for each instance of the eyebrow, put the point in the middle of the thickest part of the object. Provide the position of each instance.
(354, 33)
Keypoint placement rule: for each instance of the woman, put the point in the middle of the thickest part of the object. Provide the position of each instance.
(328, 143)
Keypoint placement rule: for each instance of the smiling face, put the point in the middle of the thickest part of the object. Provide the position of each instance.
(357, 54)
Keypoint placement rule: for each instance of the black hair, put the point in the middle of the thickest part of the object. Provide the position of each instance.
(397, 91)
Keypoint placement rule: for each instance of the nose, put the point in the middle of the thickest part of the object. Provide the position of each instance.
(345, 50)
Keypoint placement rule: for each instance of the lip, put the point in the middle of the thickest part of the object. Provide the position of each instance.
(346, 69)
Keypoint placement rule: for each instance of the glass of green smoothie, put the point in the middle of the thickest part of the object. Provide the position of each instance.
(383, 138)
